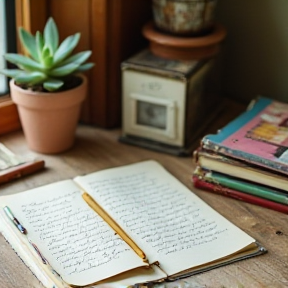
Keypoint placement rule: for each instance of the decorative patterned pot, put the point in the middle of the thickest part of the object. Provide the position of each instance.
(49, 119)
(184, 17)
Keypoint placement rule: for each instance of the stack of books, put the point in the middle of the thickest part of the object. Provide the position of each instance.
(248, 159)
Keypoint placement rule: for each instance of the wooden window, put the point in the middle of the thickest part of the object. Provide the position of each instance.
(111, 29)
(9, 120)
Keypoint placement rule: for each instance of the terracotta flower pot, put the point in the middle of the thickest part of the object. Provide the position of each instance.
(184, 48)
(49, 120)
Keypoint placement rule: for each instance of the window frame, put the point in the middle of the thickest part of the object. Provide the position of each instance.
(109, 25)
(9, 118)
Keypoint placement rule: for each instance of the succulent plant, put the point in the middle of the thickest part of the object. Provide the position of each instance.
(48, 63)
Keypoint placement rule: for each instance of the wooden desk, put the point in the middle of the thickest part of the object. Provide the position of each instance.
(97, 149)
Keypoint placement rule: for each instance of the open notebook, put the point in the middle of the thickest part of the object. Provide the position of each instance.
(170, 232)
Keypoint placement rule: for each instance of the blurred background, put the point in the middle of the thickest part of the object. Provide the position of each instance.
(253, 60)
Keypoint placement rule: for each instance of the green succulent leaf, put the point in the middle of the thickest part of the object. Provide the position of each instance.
(30, 77)
(78, 58)
(29, 43)
(64, 70)
(48, 61)
(12, 73)
(39, 44)
(85, 67)
(53, 84)
(51, 35)
(23, 62)
(47, 57)
(66, 48)
(45, 52)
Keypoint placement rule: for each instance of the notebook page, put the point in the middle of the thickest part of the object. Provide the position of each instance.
(167, 221)
(77, 243)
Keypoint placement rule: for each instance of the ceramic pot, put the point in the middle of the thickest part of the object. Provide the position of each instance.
(49, 120)
(184, 17)
(184, 48)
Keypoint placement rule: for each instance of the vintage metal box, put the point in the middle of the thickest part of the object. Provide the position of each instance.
(164, 105)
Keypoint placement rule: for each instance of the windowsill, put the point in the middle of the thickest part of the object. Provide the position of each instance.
(4, 97)
(9, 119)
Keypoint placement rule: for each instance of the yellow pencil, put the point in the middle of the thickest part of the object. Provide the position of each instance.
(94, 205)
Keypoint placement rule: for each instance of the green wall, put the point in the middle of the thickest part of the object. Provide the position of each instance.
(254, 56)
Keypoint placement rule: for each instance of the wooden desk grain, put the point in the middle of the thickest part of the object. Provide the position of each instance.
(97, 149)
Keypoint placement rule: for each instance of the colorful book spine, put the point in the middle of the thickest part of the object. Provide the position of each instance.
(232, 193)
(247, 187)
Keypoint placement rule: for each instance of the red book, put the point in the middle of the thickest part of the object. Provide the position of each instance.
(219, 189)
